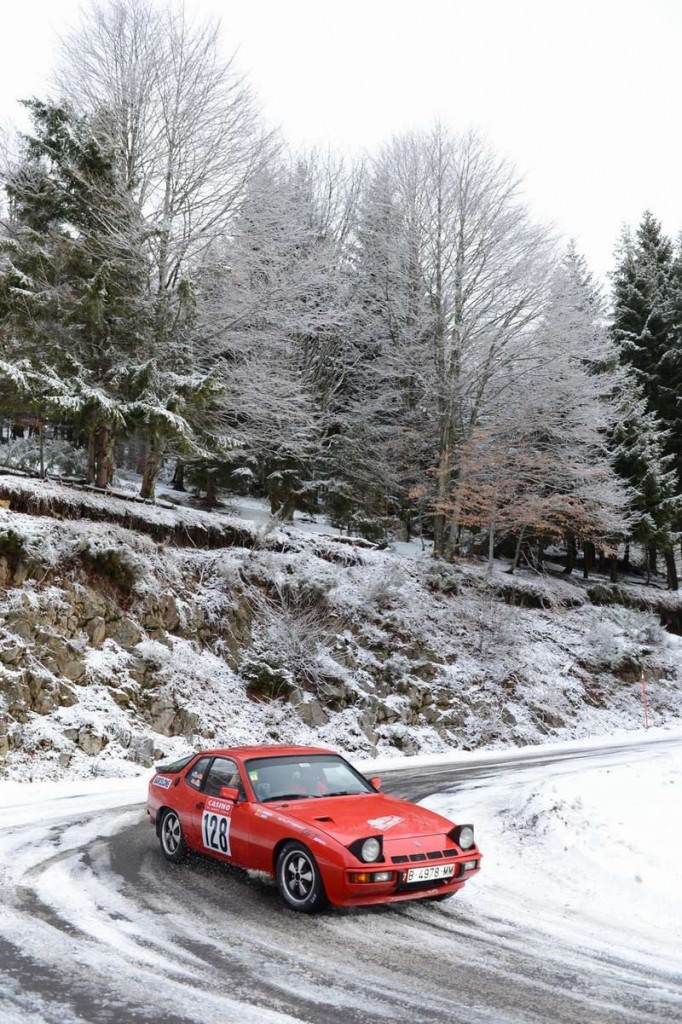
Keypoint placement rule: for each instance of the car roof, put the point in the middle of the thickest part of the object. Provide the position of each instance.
(266, 750)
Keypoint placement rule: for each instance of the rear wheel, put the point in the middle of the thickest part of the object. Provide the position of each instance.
(299, 879)
(171, 837)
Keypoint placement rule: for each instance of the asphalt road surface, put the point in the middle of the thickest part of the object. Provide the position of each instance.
(96, 927)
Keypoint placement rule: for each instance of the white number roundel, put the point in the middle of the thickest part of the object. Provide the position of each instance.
(215, 832)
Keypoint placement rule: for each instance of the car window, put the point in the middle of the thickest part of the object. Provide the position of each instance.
(195, 776)
(314, 775)
(222, 772)
(176, 766)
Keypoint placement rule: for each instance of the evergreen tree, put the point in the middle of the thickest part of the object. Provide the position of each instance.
(642, 461)
(73, 306)
(273, 320)
(647, 300)
(642, 323)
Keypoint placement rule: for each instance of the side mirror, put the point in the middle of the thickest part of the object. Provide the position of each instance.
(228, 793)
(376, 783)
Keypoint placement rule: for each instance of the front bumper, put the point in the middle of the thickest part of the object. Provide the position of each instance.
(354, 894)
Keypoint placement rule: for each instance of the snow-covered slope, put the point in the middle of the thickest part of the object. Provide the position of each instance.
(586, 851)
(120, 645)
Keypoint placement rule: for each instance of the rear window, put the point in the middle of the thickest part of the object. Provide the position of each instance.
(175, 767)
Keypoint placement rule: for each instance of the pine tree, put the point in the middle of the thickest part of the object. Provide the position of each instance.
(274, 318)
(642, 323)
(73, 278)
(647, 306)
(642, 461)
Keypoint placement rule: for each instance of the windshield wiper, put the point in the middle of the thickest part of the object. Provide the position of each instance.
(289, 796)
(349, 792)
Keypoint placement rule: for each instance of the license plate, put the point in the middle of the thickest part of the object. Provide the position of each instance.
(431, 873)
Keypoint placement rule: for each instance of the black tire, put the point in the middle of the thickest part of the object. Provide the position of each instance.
(299, 880)
(172, 838)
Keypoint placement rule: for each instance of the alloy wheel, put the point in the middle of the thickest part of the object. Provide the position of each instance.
(171, 834)
(298, 876)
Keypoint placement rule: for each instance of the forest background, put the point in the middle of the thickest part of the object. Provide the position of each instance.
(394, 343)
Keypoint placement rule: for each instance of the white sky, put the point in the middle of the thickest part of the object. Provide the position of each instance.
(582, 96)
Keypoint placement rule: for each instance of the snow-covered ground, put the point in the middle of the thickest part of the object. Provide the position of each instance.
(588, 853)
(122, 645)
(580, 887)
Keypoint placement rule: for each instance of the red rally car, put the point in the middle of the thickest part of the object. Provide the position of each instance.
(306, 816)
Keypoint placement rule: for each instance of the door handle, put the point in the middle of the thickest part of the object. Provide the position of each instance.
(200, 804)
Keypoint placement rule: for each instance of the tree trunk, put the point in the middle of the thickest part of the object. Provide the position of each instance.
(276, 504)
(588, 559)
(178, 481)
(491, 546)
(211, 499)
(442, 488)
(288, 508)
(671, 568)
(41, 437)
(652, 559)
(541, 554)
(626, 559)
(104, 457)
(517, 553)
(152, 465)
(614, 568)
(570, 555)
(92, 457)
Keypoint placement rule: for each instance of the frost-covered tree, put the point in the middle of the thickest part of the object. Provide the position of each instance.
(184, 129)
(647, 313)
(274, 321)
(642, 461)
(74, 315)
(642, 293)
(540, 464)
(452, 275)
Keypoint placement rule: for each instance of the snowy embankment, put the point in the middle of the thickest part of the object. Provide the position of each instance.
(124, 642)
(586, 852)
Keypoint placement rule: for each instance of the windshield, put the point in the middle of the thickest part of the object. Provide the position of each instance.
(302, 777)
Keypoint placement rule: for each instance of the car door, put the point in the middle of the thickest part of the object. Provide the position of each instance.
(221, 827)
(184, 794)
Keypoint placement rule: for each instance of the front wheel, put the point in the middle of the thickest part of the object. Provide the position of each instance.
(299, 880)
(172, 839)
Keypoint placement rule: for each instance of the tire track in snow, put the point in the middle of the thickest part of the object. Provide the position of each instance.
(96, 928)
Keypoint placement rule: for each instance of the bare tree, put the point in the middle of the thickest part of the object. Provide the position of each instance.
(459, 279)
(186, 131)
(542, 463)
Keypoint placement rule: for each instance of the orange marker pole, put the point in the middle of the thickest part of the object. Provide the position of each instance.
(645, 702)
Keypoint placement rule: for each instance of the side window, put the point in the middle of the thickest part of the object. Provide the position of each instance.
(223, 772)
(195, 776)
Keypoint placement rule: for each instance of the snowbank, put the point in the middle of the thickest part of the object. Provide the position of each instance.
(586, 851)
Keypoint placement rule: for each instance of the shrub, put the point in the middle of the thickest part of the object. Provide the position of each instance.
(117, 564)
(12, 544)
(290, 645)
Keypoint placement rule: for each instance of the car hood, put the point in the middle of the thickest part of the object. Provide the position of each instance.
(346, 818)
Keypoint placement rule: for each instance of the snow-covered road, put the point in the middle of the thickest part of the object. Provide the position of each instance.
(96, 927)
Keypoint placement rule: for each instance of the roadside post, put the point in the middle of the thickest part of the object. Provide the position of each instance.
(645, 701)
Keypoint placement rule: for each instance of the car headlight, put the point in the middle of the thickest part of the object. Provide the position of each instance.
(370, 850)
(463, 835)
